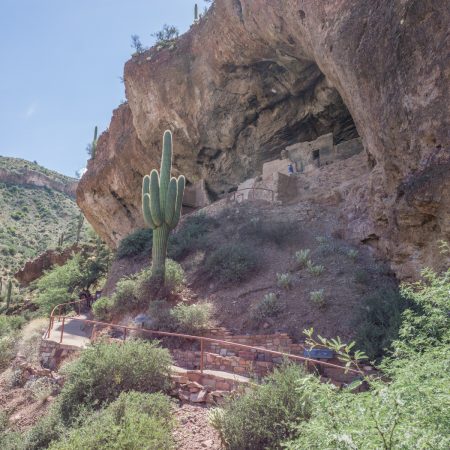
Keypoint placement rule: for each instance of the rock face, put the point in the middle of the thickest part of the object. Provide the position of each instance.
(34, 269)
(257, 75)
(34, 178)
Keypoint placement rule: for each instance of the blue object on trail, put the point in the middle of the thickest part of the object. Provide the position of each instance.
(318, 353)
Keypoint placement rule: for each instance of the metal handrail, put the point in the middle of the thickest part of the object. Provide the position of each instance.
(52, 314)
(202, 341)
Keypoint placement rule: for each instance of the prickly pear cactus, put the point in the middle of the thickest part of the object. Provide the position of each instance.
(162, 198)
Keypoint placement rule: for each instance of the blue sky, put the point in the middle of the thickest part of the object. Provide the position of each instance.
(61, 61)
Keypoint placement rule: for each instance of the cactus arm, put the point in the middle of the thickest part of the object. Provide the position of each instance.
(146, 185)
(181, 182)
(171, 200)
(166, 165)
(147, 212)
(155, 199)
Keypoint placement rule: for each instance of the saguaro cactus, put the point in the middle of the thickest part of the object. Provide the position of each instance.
(162, 198)
(196, 13)
(8, 294)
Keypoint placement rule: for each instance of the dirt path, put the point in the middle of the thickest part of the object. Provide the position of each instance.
(193, 431)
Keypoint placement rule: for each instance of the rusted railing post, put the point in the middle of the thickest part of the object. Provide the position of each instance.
(62, 330)
(201, 355)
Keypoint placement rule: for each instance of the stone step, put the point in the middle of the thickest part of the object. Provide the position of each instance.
(209, 386)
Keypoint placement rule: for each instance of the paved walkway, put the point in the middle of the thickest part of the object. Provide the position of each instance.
(76, 332)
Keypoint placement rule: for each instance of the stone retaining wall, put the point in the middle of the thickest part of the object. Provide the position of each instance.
(52, 353)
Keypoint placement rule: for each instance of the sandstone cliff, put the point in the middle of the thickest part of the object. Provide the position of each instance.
(256, 75)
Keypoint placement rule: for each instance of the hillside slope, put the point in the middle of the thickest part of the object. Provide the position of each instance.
(36, 207)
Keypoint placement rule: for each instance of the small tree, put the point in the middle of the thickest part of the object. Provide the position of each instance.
(137, 44)
(166, 36)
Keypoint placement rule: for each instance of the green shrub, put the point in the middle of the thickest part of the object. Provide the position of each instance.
(161, 319)
(9, 324)
(315, 269)
(134, 421)
(125, 296)
(231, 263)
(104, 370)
(302, 257)
(137, 243)
(262, 418)
(175, 276)
(268, 231)
(284, 280)
(103, 308)
(352, 254)
(269, 306)
(426, 323)
(192, 319)
(49, 428)
(361, 277)
(378, 321)
(412, 410)
(174, 281)
(318, 298)
(190, 235)
(7, 351)
(58, 284)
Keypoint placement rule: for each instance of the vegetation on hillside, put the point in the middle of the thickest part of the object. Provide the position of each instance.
(409, 410)
(33, 219)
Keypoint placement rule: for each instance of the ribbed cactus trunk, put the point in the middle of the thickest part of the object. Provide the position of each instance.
(8, 294)
(159, 251)
(162, 198)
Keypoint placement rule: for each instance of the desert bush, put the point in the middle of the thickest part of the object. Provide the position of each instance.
(47, 429)
(160, 317)
(9, 324)
(41, 389)
(103, 308)
(134, 421)
(412, 410)
(190, 235)
(269, 306)
(284, 280)
(192, 319)
(231, 263)
(378, 321)
(318, 298)
(30, 340)
(125, 296)
(362, 277)
(135, 244)
(58, 284)
(268, 231)
(302, 257)
(7, 350)
(175, 276)
(352, 254)
(166, 36)
(426, 322)
(315, 269)
(263, 417)
(174, 282)
(104, 370)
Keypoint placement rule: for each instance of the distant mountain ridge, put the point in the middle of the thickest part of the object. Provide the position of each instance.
(37, 209)
(20, 171)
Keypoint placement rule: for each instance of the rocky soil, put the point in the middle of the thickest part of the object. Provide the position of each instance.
(193, 431)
